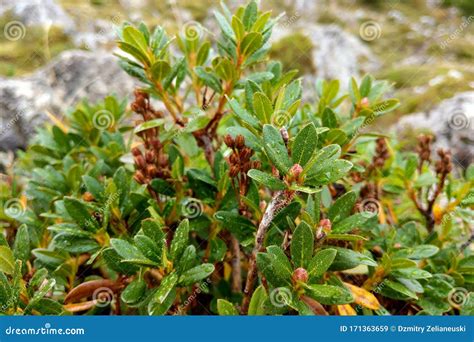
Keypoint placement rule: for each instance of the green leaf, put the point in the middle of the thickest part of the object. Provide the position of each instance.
(330, 173)
(411, 273)
(250, 15)
(187, 260)
(329, 118)
(242, 114)
(7, 261)
(267, 180)
(135, 38)
(305, 145)
(385, 106)
(238, 28)
(21, 247)
(167, 285)
(225, 308)
(134, 292)
(263, 107)
(93, 186)
(160, 69)
(322, 158)
(342, 207)
(329, 294)
(266, 263)
(302, 244)
(153, 229)
(157, 309)
(149, 248)
(352, 222)
(148, 124)
(252, 42)
(423, 252)
(80, 214)
(237, 224)
(196, 274)
(135, 52)
(321, 262)
(209, 79)
(275, 149)
(126, 250)
(397, 287)
(224, 25)
(347, 259)
(256, 306)
(280, 261)
(180, 240)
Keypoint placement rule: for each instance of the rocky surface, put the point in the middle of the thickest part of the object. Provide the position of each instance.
(452, 123)
(37, 13)
(336, 54)
(68, 79)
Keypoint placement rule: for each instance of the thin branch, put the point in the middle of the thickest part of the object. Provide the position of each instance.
(279, 201)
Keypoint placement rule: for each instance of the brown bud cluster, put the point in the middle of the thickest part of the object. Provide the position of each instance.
(142, 106)
(424, 148)
(444, 165)
(381, 153)
(150, 161)
(239, 161)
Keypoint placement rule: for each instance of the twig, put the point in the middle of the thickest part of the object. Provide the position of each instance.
(236, 267)
(279, 201)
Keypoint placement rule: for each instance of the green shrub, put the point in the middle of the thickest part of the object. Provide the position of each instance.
(233, 197)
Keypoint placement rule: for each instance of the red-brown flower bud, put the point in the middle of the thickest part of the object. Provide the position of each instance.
(300, 275)
(239, 141)
(229, 141)
(296, 170)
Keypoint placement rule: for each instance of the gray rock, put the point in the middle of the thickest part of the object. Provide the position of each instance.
(336, 53)
(452, 123)
(37, 13)
(69, 78)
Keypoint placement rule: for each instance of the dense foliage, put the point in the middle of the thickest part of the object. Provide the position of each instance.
(218, 192)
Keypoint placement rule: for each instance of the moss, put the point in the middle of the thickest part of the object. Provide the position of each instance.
(35, 49)
(295, 52)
